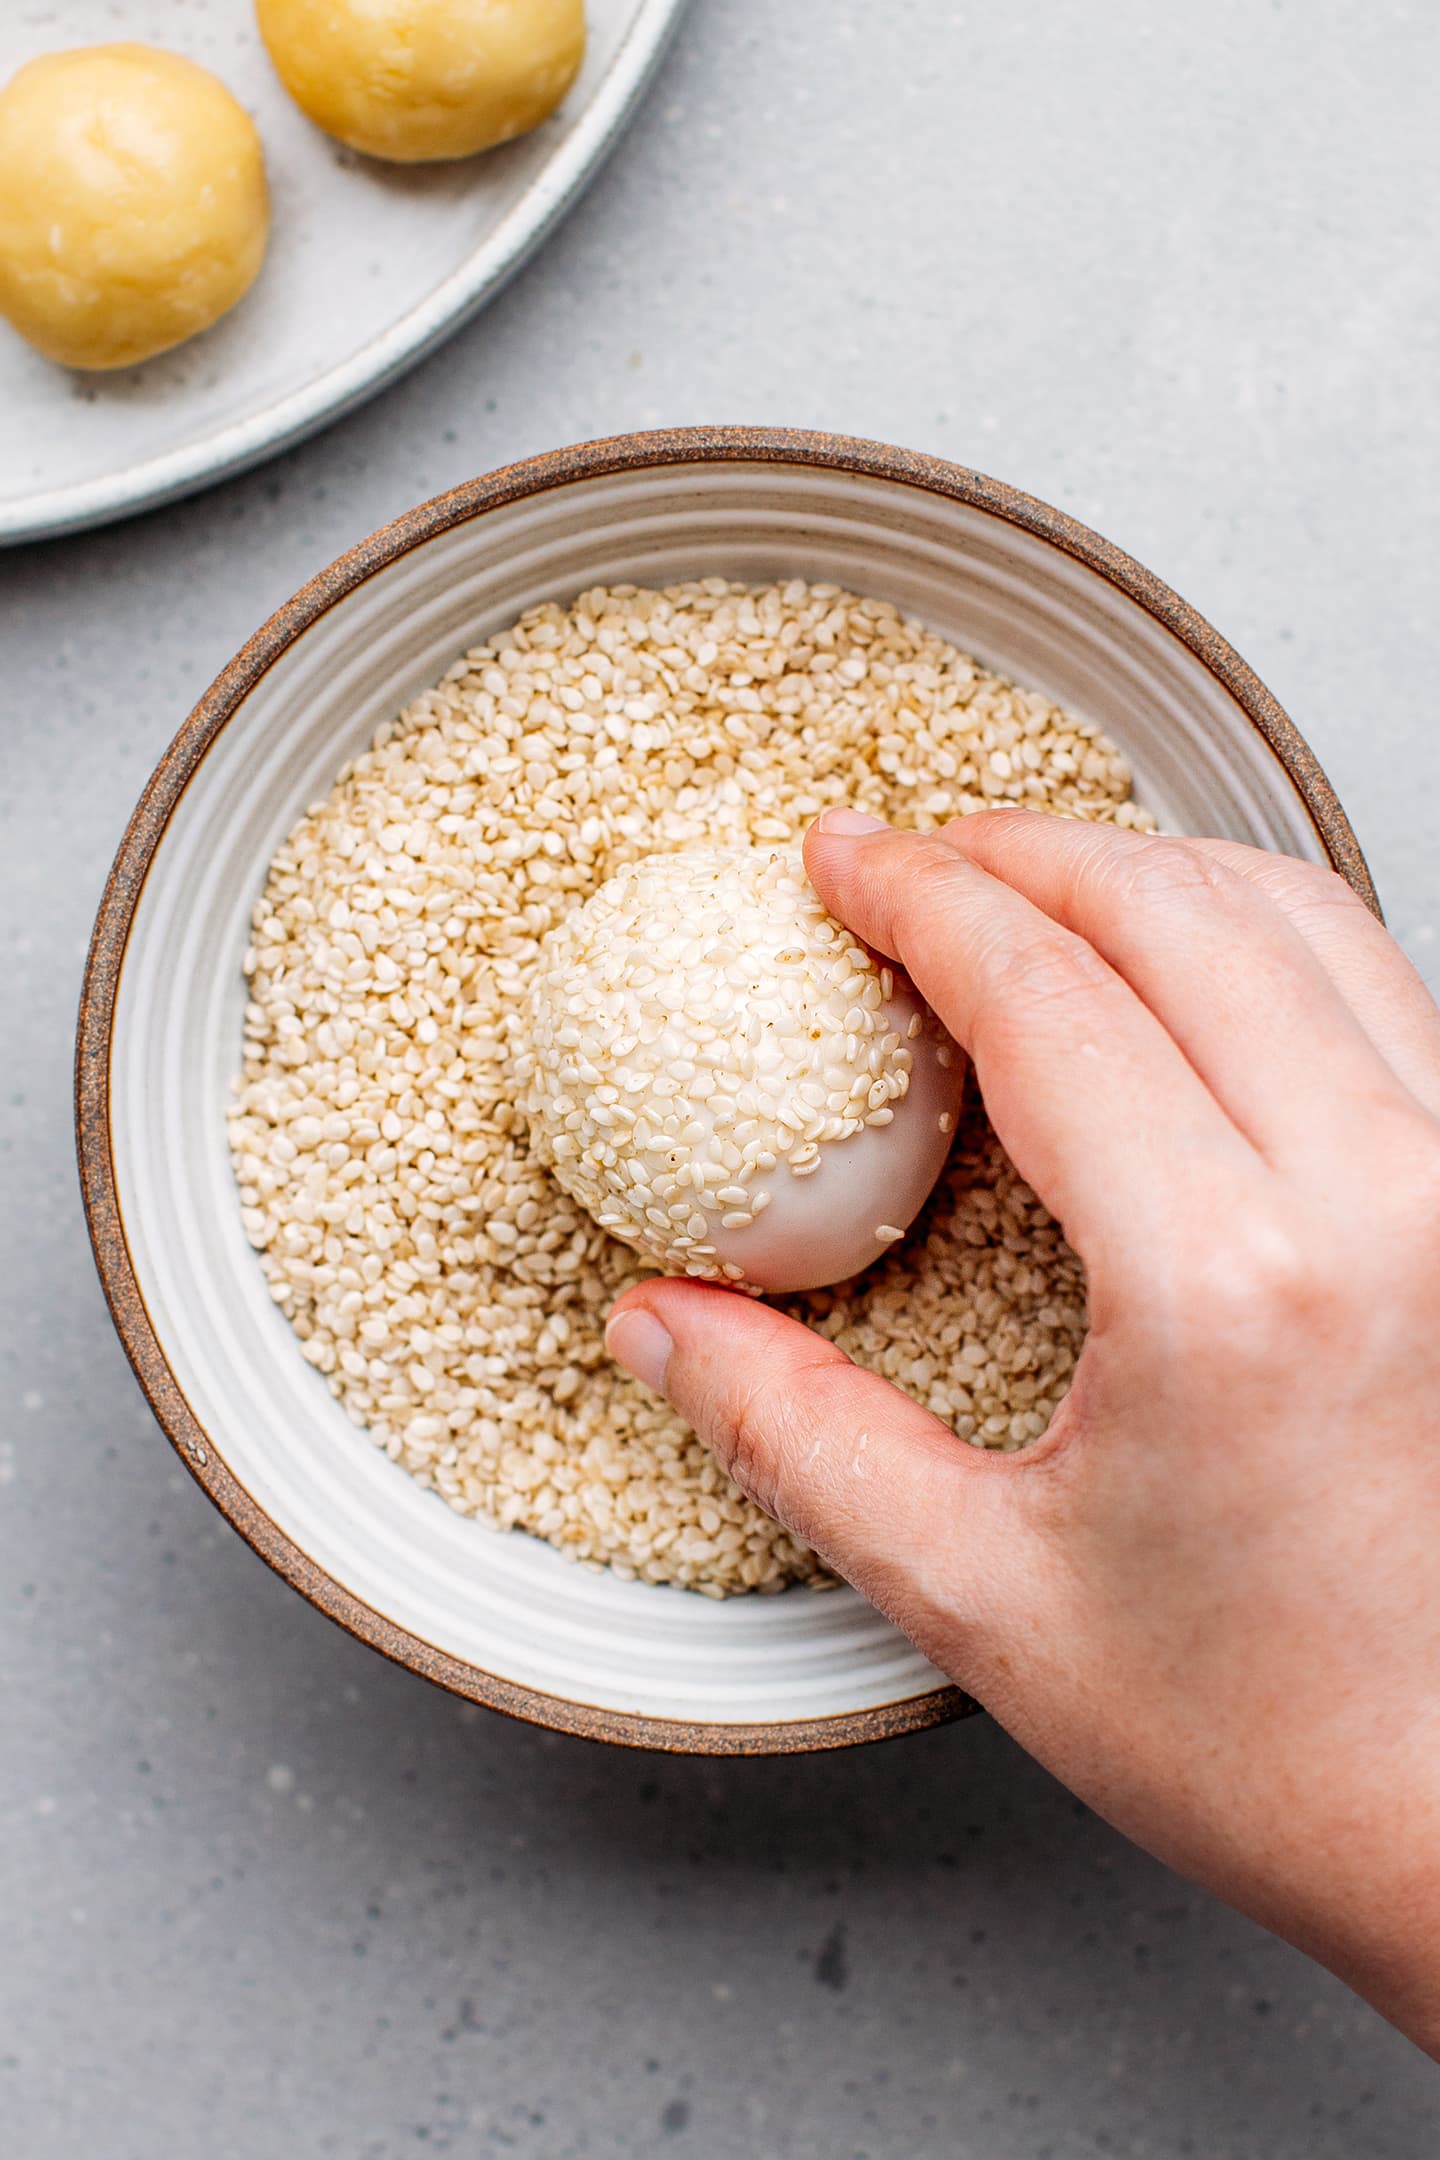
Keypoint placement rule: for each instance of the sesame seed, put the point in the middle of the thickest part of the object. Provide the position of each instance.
(392, 954)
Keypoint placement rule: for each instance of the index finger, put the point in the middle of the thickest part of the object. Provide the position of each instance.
(1094, 1102)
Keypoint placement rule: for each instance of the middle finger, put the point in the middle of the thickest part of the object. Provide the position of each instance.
(1219, 965)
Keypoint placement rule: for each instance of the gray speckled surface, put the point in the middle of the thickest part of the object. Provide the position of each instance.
(1172, 268)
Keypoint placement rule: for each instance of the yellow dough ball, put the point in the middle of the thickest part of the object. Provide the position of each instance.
(133, 209)
(414, 80)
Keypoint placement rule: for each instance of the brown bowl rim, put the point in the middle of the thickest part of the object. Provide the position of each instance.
(143, 834)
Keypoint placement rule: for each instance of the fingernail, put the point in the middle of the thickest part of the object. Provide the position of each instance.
(847, 824)
(636, 1340)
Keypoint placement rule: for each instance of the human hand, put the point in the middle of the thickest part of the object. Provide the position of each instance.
(1208, 1598)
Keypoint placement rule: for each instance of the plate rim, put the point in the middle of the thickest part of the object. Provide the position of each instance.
(51, 512)
(144, 834)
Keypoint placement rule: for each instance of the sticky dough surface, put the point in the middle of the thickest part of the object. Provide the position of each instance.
(826, 1227)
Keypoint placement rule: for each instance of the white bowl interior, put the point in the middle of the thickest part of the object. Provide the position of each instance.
(508, 1604)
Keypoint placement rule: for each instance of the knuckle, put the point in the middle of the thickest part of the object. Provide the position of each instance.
(1316, 881)
(1280, 1284)
(1309, 892)
(786, 1435)
(1051, 970)
(933, 875)
(1323, 1275)
(926, 888)
(990, 829)
(760, 1432)
(748, 1453)
(1158, 867)
(1300, 888)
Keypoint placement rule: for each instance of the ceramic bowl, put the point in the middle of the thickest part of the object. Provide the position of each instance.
(504, 1619)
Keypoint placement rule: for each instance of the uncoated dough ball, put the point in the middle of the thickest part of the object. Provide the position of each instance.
(414, 80)
(133, 206)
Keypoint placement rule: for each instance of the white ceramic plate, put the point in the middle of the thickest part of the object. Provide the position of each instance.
(369, 267)
(504, 1618)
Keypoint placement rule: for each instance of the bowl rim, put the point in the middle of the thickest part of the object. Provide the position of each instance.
(145, 831)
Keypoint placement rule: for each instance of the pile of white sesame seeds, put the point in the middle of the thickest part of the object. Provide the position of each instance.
(452, 1295)
(699, 1022)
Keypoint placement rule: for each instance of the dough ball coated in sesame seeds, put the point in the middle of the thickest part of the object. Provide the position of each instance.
(730, 1083)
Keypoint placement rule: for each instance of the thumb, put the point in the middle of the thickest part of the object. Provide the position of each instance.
(924, 1525)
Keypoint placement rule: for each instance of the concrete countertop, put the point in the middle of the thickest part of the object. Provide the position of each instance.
(1171, 268)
